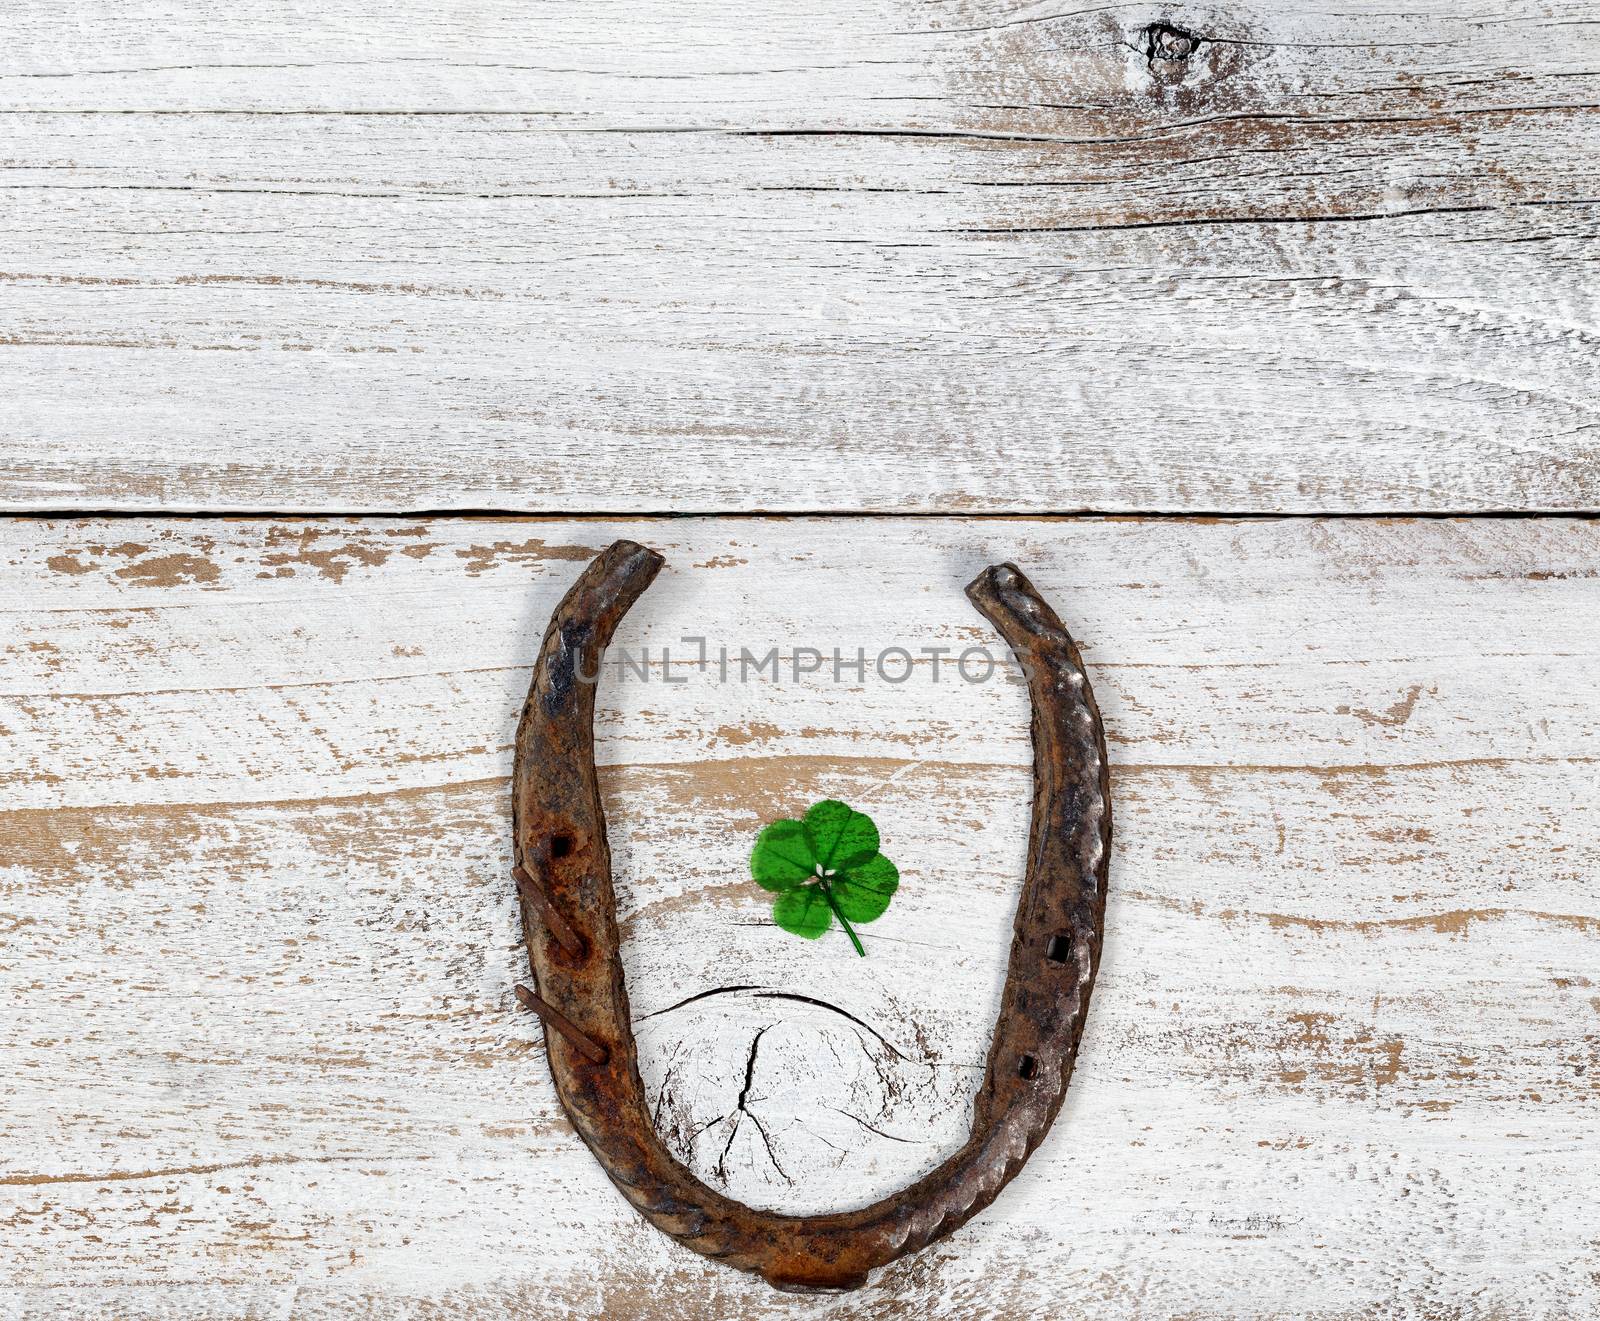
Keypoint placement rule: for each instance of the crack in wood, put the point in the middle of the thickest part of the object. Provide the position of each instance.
(741, 1109)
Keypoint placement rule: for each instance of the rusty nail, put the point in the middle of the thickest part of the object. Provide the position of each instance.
(582, 1042)
(560, 929)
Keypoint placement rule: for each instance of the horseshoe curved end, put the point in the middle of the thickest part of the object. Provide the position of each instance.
(569, 926)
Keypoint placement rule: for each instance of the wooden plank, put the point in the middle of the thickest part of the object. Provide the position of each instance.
(261, 1054)
(699, 256)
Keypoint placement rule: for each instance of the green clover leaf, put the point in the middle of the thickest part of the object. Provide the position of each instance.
(824, 867)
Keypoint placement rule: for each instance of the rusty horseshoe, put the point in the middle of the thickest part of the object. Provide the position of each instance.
(563, 873)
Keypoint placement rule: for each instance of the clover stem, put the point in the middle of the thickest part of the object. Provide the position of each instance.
(827, 893)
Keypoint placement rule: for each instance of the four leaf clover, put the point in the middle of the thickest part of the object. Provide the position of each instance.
(823, 867)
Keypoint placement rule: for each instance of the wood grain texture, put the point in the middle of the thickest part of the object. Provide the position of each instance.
(261, 1054)
(697, 256)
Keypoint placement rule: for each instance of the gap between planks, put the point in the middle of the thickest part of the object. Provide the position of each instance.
(47, 515)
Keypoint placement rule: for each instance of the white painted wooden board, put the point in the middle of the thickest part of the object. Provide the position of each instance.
(261, 1057)
(696, 255)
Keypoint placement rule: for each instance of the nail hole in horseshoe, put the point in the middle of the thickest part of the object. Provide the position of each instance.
(1027, 1067)
(1059, 949)
(560, 845)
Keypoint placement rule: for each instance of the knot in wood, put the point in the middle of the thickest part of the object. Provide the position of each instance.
(1168, 44)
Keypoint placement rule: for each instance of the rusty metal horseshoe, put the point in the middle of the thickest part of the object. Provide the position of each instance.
(563, 871)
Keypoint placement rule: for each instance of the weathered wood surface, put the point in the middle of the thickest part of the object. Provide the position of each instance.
(702, 256)
(261, 1053)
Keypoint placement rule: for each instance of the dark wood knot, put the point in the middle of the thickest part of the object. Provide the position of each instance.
(1166, 44)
